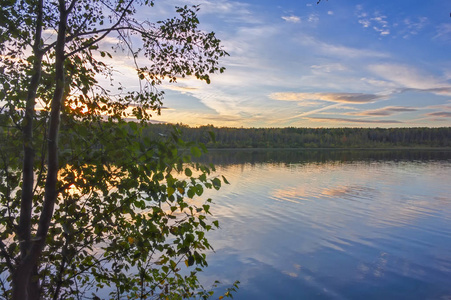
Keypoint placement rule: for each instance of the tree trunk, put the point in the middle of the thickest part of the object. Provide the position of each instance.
(21, 274)
(25, 285)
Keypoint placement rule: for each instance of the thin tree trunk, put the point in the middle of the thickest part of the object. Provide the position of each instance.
(25, 285)
(20, 278)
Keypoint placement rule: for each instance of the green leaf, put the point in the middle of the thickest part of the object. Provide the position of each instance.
(191, 192)
(171, 191)
(173, 264)
(199, 190)
(190, 261)
(225, 180)
(216, 183)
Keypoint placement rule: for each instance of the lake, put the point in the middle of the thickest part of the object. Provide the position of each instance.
(320, 224)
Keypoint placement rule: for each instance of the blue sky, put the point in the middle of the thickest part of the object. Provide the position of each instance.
(340, 63)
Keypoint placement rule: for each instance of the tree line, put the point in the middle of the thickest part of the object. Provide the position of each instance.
(292, 137)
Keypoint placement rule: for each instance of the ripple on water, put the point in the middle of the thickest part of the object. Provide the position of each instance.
(337, 231)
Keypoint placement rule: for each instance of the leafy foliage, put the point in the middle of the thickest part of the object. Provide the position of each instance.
(89, 205)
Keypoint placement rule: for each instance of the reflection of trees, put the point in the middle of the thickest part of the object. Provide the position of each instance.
(244, 156)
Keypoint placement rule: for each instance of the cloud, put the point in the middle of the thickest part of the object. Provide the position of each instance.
(440, 114)
(339, 50)
(442, 107)
(342, 120)
(292, 19)
(313, 18)
(410, 78)
(327, 68)
(443, 32)
(330, 97)
(311, 112)
(377, 21)
(386, 111)
(445, 91)
(381, 24)
(222, 118)
(229, 11)
(330, 12)
(413, 27)
(182, 89)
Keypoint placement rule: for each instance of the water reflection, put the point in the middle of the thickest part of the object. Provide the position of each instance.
(253, 156)
(334, 226)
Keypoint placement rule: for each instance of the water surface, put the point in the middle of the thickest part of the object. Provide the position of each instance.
(333, 225)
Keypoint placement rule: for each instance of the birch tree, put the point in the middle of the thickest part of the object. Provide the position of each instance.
(87, 205)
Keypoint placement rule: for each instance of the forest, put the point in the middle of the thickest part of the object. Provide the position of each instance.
(291, 137)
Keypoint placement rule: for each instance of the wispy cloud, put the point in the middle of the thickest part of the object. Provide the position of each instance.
(292, 19)
(441, 107)
(444, 32)
(413, 26)
(182, 89)
(397, 27)
(445, 91)
(385, 111)
(343, 120)
(441, 114)
(330, 97)
(339, 50)
(375, 21)
(229, 11)
(313, 18)
(315, 111)
(328, 68)
(411, 78)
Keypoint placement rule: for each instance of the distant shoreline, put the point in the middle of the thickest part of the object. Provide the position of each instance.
(307, 138)
(341, 148)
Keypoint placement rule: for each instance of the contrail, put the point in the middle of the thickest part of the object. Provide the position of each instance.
(316, 110)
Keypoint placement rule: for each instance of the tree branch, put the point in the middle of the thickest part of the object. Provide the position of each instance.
(5, 254)
(71, 7)
(106, 30)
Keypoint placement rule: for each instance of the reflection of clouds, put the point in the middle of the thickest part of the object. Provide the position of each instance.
(350, 191)
(290, 194)
(376, 268)
(365, 189)
(360, 222)
(291, 274)
(381, 209)
(340, 191)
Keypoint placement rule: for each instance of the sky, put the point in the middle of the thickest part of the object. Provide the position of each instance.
(339, 63)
